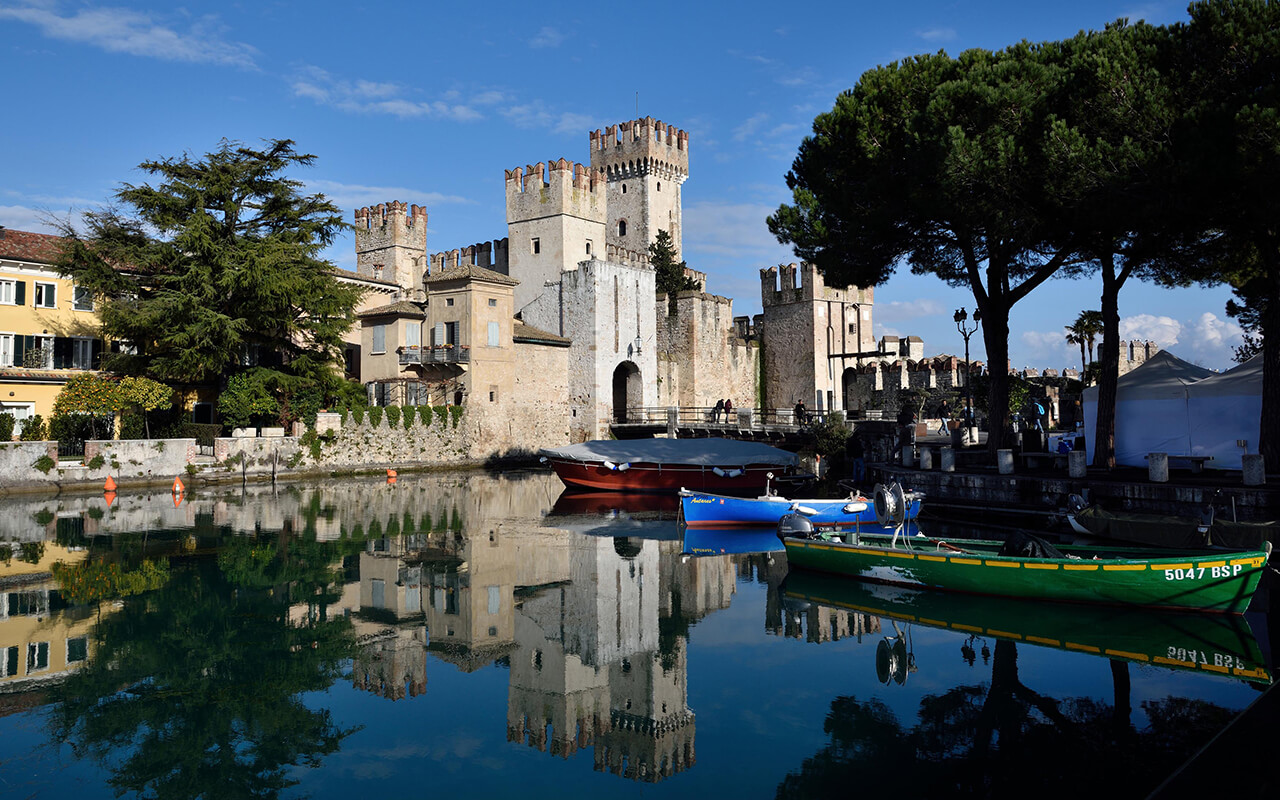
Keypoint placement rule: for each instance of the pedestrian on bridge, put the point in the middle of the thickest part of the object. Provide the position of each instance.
(715, 412)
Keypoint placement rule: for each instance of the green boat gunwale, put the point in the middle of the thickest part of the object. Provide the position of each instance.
(982, 556)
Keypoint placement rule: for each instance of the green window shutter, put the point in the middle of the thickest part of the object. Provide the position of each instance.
(62, 350)
(20, 293)
(20, 345)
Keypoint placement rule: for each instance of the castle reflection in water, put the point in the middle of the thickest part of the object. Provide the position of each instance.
(589, 615)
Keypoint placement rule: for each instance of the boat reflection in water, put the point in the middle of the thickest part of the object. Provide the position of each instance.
(1217, 644)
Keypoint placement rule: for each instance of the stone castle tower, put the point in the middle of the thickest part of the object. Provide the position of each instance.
(555, 218)
(391, 244)
(812, 333)
(645, 162)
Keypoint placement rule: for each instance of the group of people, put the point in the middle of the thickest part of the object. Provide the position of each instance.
(722, 407)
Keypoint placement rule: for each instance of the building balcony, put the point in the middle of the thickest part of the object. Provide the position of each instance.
(439, 354)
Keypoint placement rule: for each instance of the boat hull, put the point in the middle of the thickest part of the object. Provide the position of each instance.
(667, 478)
(1217, 582)
(705, 510)
(1217, 644)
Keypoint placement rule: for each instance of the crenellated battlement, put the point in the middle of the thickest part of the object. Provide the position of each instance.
(556, 187)
(391, 242)
(620, 255)
(487, 255)
(391, 213)
(641, 146)
(794, 283)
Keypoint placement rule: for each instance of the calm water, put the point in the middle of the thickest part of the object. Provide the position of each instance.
(470, 635)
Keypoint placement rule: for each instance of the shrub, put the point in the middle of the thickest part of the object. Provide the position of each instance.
(410, 413)
(455, 414)
(393, 416)
(357, 414)
(6, 427)
(33, 430)
(96, 462)
(424, 412)
(247, 400)
(375, 415)
(44, 464)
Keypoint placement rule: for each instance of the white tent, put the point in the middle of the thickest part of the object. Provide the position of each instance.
(1152, 411)
(1224, 410)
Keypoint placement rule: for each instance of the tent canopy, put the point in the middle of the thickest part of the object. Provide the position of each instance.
(1156, 413)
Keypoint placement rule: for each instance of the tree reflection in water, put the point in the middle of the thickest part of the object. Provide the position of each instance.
(1003, 739)
(195, 689)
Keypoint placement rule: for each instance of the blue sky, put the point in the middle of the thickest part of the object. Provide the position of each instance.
(429, 102)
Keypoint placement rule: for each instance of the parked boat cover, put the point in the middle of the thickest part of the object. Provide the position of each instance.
(712, 452)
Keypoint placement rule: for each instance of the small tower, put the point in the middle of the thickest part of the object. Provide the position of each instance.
(555, 219)
(391, 243)
(645, 162)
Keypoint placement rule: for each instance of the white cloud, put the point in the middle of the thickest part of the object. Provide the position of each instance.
(1212, 341)
(22, 218)
(536, 114)
(353, 195)
(373, 97)
(120, 30)
(750, 126)
(1164, 331)
(733, 229)
(547, 37)
(937, 34)
(1051, 349)
(903, 310)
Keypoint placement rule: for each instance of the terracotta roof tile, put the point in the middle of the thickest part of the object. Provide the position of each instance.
(470, 271)
(38, 248)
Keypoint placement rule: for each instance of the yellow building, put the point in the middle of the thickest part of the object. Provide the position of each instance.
(49, 330)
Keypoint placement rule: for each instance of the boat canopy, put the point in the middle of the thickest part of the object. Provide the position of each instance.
(711, 452)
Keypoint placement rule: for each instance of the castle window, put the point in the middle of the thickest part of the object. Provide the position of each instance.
(448, 301)
(494, 332)
(493, 302)
(622, 227)
(535, 245)
(377, 272)
(659, 185)
(624, 188)
(588, 247)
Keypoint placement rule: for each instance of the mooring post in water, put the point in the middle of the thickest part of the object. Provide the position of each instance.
(275, 457)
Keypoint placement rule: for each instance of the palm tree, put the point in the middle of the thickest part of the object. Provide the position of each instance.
(1085, 332)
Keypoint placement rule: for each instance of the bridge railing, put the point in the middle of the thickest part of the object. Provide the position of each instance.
(709, 417)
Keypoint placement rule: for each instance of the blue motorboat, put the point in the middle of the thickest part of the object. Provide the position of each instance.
(705, 510)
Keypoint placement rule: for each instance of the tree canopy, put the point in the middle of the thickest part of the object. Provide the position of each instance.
(216, 268)
(943, 163)
(670, 274)
(1137, 151)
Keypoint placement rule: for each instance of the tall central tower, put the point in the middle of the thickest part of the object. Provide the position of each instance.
(645, 162)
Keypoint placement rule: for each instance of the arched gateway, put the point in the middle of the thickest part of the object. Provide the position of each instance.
(627, 392)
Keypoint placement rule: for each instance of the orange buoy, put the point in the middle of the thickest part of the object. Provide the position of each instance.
(177, 499)
(177, 486)
(110, 497)
(110, 485)
(391, 480)
(391, 473)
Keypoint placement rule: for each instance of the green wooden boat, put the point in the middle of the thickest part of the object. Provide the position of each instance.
(1216, 581)
(1213, 644)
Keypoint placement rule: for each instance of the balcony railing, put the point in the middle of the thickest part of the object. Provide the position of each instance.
(439, 354)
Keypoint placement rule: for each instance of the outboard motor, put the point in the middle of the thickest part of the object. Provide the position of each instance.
(796, 525)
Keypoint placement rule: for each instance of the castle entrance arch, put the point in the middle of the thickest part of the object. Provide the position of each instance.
(849, 391)
(627, 392)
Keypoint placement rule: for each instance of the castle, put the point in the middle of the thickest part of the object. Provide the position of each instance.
(565, 306)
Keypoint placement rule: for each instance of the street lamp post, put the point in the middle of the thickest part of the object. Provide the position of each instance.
(961, 316)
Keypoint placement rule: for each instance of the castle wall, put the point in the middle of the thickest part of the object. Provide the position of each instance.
(552, 224)
(391, 243)
(605, 308)
(651, 160)
(701, 359)
(803, 324)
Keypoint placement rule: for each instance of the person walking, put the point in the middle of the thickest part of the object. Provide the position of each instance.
(856, 451)
(715, 412)
(944, 414)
